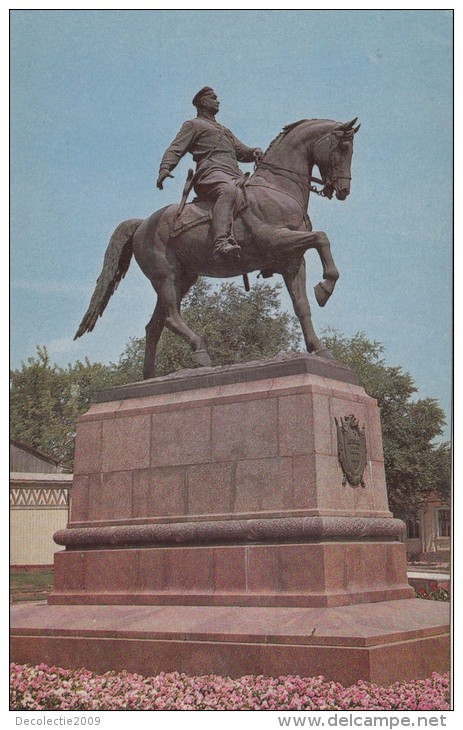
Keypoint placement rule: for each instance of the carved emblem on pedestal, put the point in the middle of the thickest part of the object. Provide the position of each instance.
(352, 450)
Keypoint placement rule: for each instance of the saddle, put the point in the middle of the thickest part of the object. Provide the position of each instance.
(199, 211)
(192, 215)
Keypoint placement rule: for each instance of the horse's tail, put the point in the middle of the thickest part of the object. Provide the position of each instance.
(115, 266)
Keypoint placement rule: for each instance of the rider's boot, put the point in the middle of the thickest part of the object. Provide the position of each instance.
(225, 249)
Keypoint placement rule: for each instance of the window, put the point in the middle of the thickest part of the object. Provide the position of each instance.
(413, 527)
(443, 522)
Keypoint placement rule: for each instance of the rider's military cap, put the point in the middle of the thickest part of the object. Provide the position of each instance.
(202, 91)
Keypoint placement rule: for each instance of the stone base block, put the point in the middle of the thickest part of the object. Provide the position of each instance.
(294, 574)
(233, 443)
(381, 642)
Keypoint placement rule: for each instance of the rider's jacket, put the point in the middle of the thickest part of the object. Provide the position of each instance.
(215, 150)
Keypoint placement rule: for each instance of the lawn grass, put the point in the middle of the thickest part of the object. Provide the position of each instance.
(34, 585)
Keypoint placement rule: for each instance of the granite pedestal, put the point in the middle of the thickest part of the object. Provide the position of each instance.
(212, 529)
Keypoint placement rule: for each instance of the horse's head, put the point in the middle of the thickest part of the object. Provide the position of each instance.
(333, 155)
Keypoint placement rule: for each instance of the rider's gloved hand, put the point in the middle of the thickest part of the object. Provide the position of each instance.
(258, 154)
(162, 176)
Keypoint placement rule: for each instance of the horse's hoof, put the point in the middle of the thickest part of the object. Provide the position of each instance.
(324, 352)
(322, 294)
(201, 357)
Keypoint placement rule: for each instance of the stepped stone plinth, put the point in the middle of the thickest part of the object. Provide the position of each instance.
(235, 520)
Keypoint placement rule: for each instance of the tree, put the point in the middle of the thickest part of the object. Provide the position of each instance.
(415, 464)
(236, 327)
(45, 401)
(41, 406)
(87, 379)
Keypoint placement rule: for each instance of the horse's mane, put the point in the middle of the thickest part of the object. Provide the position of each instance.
(289, 127)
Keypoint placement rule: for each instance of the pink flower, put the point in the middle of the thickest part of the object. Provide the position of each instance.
(52, 688)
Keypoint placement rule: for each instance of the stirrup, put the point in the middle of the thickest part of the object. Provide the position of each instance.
(226, 249)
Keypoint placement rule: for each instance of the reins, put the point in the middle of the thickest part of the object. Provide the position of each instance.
(300, 179)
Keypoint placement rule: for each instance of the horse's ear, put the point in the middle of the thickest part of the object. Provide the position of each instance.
(356, 129)
(348, 125)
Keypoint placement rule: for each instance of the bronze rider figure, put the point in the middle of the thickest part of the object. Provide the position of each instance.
(216, 152)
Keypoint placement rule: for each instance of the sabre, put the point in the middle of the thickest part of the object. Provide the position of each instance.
(186, 191)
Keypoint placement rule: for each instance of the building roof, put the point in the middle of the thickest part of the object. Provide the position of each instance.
(37, 453)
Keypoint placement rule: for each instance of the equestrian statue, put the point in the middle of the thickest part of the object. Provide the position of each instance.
(237, 223)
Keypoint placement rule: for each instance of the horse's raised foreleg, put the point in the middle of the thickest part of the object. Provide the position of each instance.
(324, 289)
(288, 241)
(295, 281)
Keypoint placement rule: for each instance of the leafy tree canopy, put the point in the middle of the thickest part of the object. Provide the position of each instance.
(45, 401)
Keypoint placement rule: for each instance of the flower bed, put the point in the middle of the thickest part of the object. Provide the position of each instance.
(52, 688)
(433, 592)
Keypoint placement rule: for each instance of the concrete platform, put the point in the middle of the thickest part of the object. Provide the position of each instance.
(381, 642)
(437, 576)
(428, 579)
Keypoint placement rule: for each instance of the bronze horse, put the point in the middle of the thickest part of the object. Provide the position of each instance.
(272, 228)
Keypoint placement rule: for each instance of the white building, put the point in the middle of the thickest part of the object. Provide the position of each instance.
(40, 490)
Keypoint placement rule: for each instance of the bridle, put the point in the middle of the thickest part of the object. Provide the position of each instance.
(304, 181)
(334, 171)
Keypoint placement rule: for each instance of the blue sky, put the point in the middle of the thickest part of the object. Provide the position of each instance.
(96, 96)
